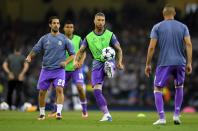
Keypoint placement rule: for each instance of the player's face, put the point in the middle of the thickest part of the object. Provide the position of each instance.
(55, 25)
(69, 29)
(99, 22)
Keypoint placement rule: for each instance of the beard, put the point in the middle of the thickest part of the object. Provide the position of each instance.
(55, 30)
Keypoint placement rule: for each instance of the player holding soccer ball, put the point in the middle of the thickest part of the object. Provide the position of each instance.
(96, 41)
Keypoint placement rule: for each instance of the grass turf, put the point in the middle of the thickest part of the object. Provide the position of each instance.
(72, 121)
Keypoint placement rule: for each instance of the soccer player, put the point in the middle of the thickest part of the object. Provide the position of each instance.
(54, 45)
(75, 74)
(172, 37)
(97, 40)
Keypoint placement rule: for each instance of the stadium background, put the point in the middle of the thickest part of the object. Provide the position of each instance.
(23, 22)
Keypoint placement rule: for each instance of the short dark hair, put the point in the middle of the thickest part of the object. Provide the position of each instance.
(51, 18)
(68, 22)
(17, 49)
(100, 14)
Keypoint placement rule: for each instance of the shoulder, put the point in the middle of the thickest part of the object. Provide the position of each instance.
(61, 35)
(181, 24)
(44, 37)
(11, 56)
(77, 36)
(156, 26)
(108, 31)
(90, 33)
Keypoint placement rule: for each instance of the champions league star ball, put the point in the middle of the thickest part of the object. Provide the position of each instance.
(108, 53)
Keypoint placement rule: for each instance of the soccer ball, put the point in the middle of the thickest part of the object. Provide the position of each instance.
(4, 106)
(26, 105)
(108, 53)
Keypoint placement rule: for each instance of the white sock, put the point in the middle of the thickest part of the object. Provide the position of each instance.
(107, 114)
(59, 108)
(42, 110)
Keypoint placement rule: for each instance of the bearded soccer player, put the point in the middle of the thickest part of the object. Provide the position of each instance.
(97, 40)
(54, 45)
(75, 74)
(172, 37)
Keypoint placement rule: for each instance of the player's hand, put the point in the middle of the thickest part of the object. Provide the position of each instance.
(21, 77)
(10, 76)
(120, 66)
(63, 64)
(77, 65)
(188, 69)
(28, 59)
(147, 70)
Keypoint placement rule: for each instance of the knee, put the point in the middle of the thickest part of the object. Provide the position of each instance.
(98, 86)
(79, 87)
(157, 89)
(59, 90)
(179, 86)
(42, 93)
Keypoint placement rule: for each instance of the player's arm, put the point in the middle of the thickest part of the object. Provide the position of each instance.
(70, 50)
(188, 44)
(35, 50)
(118, 49)
(7, 70)
(151, 50)
(29, 57)
(82, 59)
(24, 70)
(80, 55)
(5, 67)
(119, 56)
(83, 56)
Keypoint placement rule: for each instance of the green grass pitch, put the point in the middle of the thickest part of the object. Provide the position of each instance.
(72, 121)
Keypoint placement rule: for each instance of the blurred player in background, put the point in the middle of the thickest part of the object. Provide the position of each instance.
(15, 68)
(75, 74)
(54, 45)
(172, 37)
(97, 40)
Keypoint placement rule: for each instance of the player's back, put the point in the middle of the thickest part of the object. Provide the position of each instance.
(170, 37)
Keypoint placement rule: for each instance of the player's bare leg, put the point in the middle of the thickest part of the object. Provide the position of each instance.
(60, 101)
(83, 100)
(42, 94)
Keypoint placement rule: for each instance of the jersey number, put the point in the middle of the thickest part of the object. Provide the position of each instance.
(80, 75)
(61, 82)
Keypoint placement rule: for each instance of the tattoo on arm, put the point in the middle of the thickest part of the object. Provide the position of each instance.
(80, 53)
(119, 53)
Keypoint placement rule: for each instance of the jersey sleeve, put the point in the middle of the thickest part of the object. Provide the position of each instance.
(153, 34)
(114, 40)
(69, 47)
(186, 31)
(84, 42)
(39, 46)
(81, 42)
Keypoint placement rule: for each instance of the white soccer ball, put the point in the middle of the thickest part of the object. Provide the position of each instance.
(26, 105)
(108, 53)
(4, 106)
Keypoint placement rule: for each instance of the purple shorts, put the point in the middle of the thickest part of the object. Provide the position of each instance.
(163, 73)
(55, 77)
(97, 76)
(77, 76)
